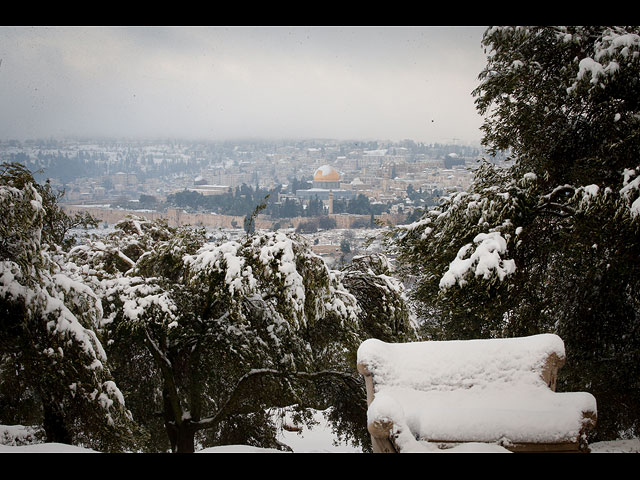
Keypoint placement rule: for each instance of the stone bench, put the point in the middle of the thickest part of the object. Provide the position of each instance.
(478, 395)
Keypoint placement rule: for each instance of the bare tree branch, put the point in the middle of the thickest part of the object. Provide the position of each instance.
(251, 375)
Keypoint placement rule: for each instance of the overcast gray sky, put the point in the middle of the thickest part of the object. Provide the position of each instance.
(365, 83)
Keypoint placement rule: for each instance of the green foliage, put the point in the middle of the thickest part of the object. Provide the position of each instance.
(345, 246)
(240, 202)
(47, 224)
(551, 243)
(563, 100)
(307, 227)
(380, 296)
(48, 323)
(222, 331)
(250, 220)
(456, 249)
(21, 223)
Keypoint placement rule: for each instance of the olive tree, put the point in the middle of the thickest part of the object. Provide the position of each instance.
(225, 331)
(50, 354)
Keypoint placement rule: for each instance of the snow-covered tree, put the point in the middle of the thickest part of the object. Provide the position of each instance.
(224, 331)
(380, 295)
(461, 254)
(549, 243)
(563, 100)
(49, 351)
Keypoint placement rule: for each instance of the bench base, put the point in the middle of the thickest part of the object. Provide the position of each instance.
(567, 447)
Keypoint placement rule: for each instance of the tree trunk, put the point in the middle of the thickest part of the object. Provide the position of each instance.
(182, 437)
(186, 438)
(54, 425)
(181, 432)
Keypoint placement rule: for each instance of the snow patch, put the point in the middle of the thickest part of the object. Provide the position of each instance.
(485, 261)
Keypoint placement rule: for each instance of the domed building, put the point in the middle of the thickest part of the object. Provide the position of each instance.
(326, 177)
(326, 185)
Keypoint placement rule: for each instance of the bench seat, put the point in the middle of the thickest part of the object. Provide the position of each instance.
(498, 392)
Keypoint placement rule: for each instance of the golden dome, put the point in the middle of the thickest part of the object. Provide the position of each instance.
(326, 173)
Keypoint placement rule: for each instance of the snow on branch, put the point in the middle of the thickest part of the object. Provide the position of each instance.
(631, 187)
(611, 49)
(484, 261)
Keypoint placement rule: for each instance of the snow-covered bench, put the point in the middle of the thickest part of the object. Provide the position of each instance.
(474, 395)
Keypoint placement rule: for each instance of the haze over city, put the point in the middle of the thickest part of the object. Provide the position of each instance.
(216, 83)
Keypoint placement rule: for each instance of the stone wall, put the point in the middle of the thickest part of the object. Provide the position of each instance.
(177, 218)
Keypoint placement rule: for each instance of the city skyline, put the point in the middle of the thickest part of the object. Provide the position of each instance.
(217, 83)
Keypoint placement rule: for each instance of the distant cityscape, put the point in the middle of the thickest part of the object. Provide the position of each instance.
(309, 185)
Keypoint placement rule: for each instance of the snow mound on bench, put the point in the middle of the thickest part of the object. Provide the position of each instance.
(473, 391)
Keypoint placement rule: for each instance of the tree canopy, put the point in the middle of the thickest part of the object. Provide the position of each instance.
(53, 367)
(156, 338)
(550, 241)
(223, 331)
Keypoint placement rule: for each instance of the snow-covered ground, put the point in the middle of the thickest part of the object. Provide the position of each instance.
(619, 446)
(319, 439)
